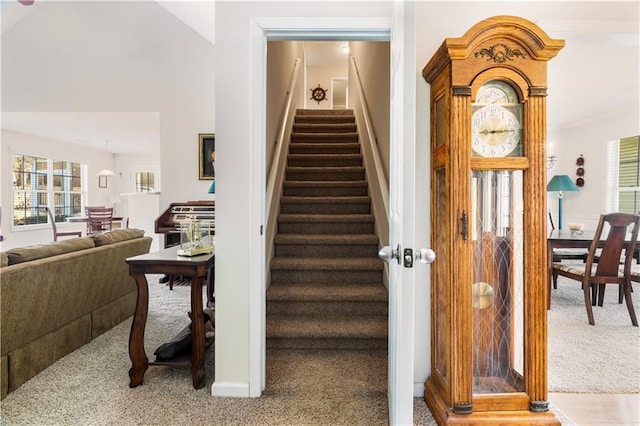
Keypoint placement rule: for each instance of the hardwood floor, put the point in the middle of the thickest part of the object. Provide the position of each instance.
(598, 409)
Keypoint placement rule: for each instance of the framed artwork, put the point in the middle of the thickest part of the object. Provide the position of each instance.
(207, 156)
(102, 181)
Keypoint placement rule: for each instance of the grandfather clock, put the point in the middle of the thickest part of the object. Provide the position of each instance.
(488, 203)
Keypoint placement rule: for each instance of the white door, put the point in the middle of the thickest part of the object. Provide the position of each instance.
(402, 217)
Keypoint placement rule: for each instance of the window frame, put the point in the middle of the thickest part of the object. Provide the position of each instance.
(50, 195)
(613, 174)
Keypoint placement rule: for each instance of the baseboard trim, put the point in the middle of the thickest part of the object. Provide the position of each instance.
(418, 389)
(238, 390)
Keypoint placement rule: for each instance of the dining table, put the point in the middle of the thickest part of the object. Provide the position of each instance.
(564, 239)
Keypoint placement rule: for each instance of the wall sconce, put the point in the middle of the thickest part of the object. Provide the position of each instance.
(102, 177)
(551, 161)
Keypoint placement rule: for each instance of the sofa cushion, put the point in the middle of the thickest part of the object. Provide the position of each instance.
(4, 259)
(27, 254)
(117, 236)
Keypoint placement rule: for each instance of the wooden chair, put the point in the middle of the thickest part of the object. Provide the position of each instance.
(99, 219)
(57, 233)
(595, 276)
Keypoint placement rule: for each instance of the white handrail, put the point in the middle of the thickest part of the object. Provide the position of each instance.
(378, 185)
(276, 172)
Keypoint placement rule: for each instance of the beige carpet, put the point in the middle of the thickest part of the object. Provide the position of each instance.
(600, 358)
(90, 386)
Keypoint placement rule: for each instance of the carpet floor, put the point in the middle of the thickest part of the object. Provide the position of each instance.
(304, 387)
(600, 358)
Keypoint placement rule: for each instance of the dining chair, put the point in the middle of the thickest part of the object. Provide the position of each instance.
(595, 276)
(99, 219)
(57, 233)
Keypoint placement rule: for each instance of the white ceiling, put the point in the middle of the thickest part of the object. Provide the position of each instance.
(595, 74)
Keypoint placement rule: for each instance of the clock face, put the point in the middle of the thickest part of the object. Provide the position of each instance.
(496, 130)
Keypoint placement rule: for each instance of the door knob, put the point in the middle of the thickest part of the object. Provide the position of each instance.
(387, 254)
(425, 255)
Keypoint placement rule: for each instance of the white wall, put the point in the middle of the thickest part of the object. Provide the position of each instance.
(589, 139)
(320, 75)
(373, 60)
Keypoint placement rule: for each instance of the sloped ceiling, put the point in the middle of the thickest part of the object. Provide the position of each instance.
(128, 46)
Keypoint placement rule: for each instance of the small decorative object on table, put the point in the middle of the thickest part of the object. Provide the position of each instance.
(194, 239)
(576, 229)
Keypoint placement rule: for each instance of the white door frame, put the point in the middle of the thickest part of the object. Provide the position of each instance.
(401, 321)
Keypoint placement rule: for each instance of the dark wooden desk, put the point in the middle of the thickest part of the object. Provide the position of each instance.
(168, 262)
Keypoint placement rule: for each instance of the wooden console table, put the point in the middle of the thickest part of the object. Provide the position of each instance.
(168, 262)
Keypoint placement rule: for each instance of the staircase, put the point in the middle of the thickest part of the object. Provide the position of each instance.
(326, 287)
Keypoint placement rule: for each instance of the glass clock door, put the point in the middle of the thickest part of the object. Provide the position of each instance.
(497, 281)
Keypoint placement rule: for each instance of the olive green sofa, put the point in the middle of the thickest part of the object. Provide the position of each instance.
(56, 297)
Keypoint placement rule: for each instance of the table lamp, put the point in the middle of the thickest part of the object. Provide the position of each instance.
(559, 184)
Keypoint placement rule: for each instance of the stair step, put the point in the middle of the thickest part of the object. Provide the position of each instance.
(352, 344)
(346, 137)
(327, 264)
(326, 245)
(324, 148)
(327, 327)
(322, 292)
(324, 173)
(324, 112)
(336, 271)
(325, 188)
(324, 127)
(324, 160)
(325, 224)
(326, 205)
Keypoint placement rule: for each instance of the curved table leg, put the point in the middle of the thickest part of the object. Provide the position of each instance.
(139, 360)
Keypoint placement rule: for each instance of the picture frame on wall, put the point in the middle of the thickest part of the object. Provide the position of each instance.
(207, 156)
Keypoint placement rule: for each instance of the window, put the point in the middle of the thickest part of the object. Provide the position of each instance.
(624, 175)
(41, 182)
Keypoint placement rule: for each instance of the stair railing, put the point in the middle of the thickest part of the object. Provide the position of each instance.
(278, 165)
(376, 176)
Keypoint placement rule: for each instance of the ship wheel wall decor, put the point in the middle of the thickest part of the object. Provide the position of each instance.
(319, 94)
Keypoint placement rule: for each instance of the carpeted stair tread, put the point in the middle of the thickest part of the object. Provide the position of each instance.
(320, 239)
(324, 188)
(323, 112)
(286, 217)
(356, 292)
(334, 119)
(325, 157)
(311, 127)
(327, 264)
(325, 160)
(324, 148)
(330, 327)
(358, 199)
(324, 137)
